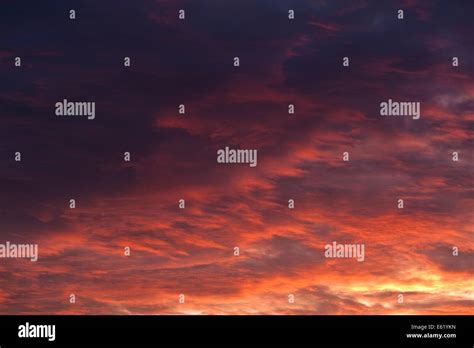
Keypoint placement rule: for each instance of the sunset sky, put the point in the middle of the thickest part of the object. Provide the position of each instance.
(190, 251)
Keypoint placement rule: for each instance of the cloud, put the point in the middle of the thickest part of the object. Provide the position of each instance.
(191, 251)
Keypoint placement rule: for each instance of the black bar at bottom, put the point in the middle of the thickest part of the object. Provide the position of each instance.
(290, 331)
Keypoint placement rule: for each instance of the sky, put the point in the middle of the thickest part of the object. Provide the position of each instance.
(190, 251)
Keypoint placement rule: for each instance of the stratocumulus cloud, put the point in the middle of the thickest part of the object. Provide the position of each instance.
(191, 251)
